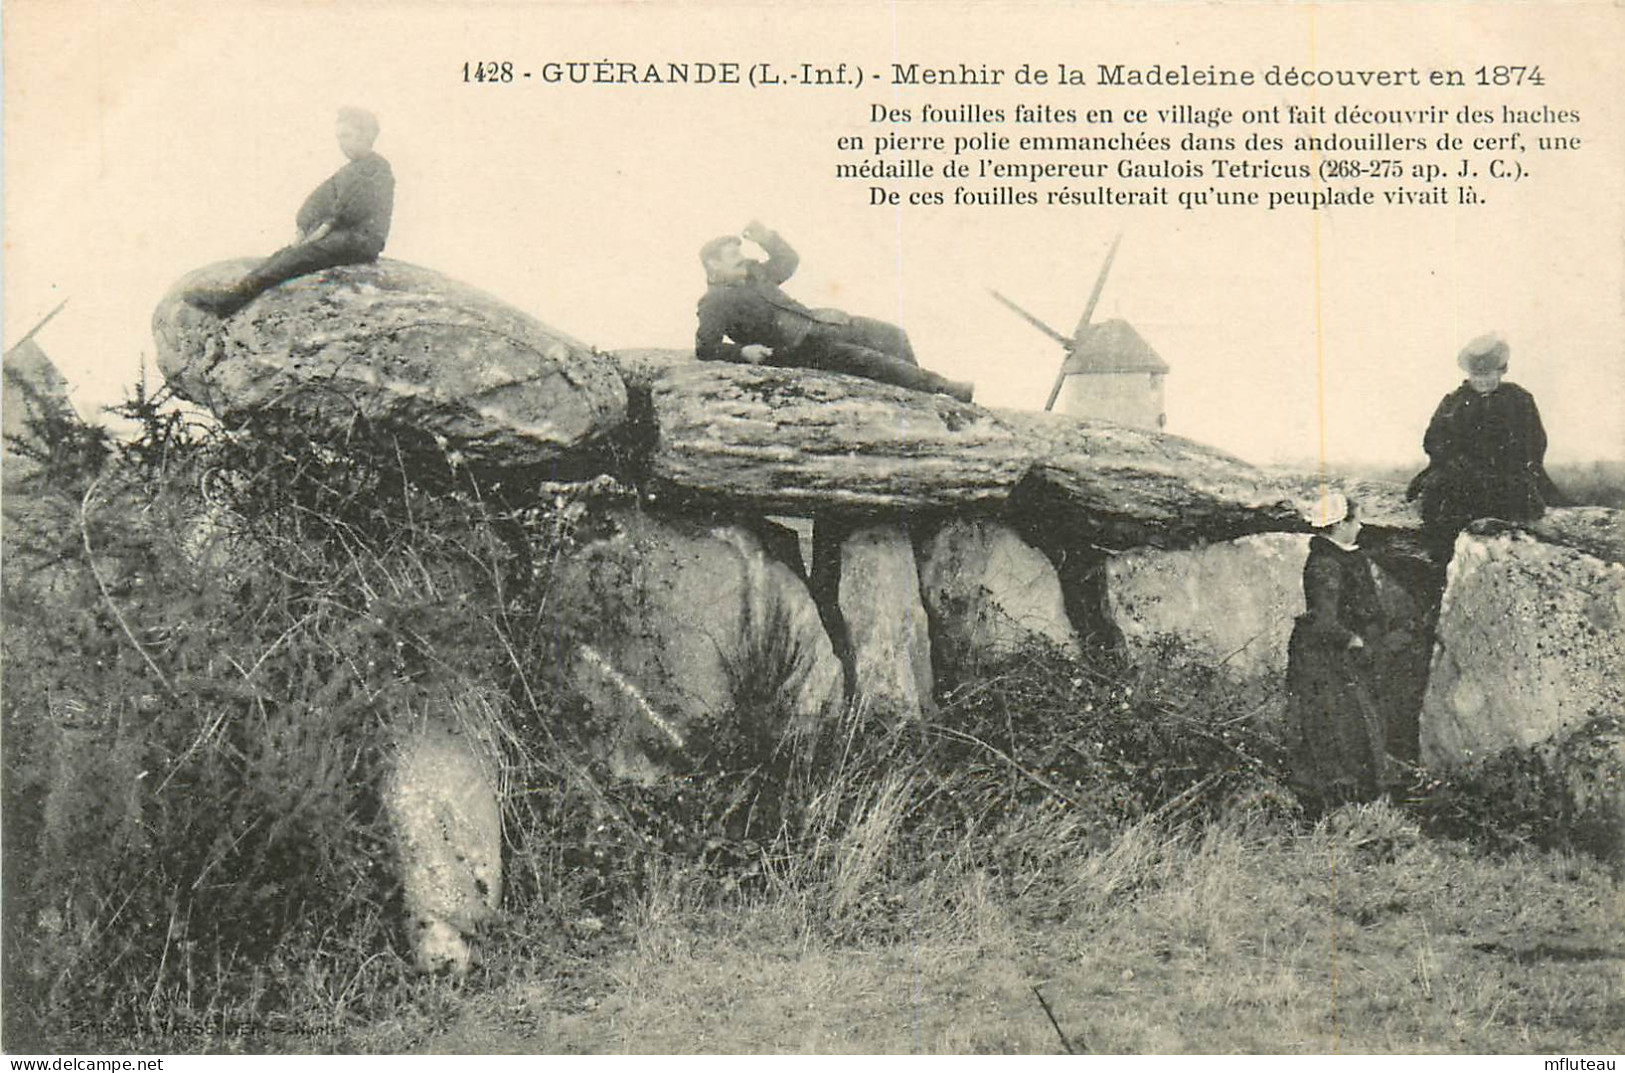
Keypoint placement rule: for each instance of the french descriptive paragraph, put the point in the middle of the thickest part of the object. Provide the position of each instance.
(1276, 140)
(1200, 137)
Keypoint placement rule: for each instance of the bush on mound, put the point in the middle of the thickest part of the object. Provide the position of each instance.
(208, 646)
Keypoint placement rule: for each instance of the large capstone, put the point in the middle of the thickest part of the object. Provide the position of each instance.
(450, 375)
(1119, 487)
(809, 443)
(796, 441)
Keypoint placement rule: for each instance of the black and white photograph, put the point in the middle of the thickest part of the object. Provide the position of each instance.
(879, 527)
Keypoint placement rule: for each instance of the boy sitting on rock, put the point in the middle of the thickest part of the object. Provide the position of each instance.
(344, 221)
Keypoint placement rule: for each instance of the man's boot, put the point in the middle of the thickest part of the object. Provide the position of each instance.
(221, 301)
(912, 376)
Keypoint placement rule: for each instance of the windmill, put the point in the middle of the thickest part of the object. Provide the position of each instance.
(1074, 344)
(33, 388)
(27, 369)
(1125, 373)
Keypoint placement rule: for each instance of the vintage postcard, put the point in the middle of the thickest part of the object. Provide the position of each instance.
(792, 527)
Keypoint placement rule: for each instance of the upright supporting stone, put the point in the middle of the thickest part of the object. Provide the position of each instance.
(1530, 654)
(988, 594)
(1530, 644)
(93, 793)
(684, 634)
(868, 585)
(441, 799)
(1233, 602)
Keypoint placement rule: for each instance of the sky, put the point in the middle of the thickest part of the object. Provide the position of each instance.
(145, 140)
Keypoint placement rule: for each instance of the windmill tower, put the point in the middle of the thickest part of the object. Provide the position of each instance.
(1110, 372)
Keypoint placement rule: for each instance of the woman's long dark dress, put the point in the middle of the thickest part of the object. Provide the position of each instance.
(1334, 693)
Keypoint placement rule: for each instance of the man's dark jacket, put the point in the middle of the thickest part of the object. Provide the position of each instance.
(357, 200)
(755, 311)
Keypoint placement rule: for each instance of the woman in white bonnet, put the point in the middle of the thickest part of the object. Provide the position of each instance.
(1335, 698)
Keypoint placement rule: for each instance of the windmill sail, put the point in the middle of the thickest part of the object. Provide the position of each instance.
(1082, 330)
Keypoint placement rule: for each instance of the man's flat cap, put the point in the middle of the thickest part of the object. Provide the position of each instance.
(710, 250)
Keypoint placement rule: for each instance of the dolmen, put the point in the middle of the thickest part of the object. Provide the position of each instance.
(944, 535)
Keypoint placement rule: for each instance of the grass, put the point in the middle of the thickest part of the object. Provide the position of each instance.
(1358, 935)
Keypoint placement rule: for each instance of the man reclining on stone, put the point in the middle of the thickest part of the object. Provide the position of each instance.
(344, 221)
(745, 317)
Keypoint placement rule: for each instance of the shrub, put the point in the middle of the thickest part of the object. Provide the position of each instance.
(1021, 771)
(1565, 793)
(209, 642)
